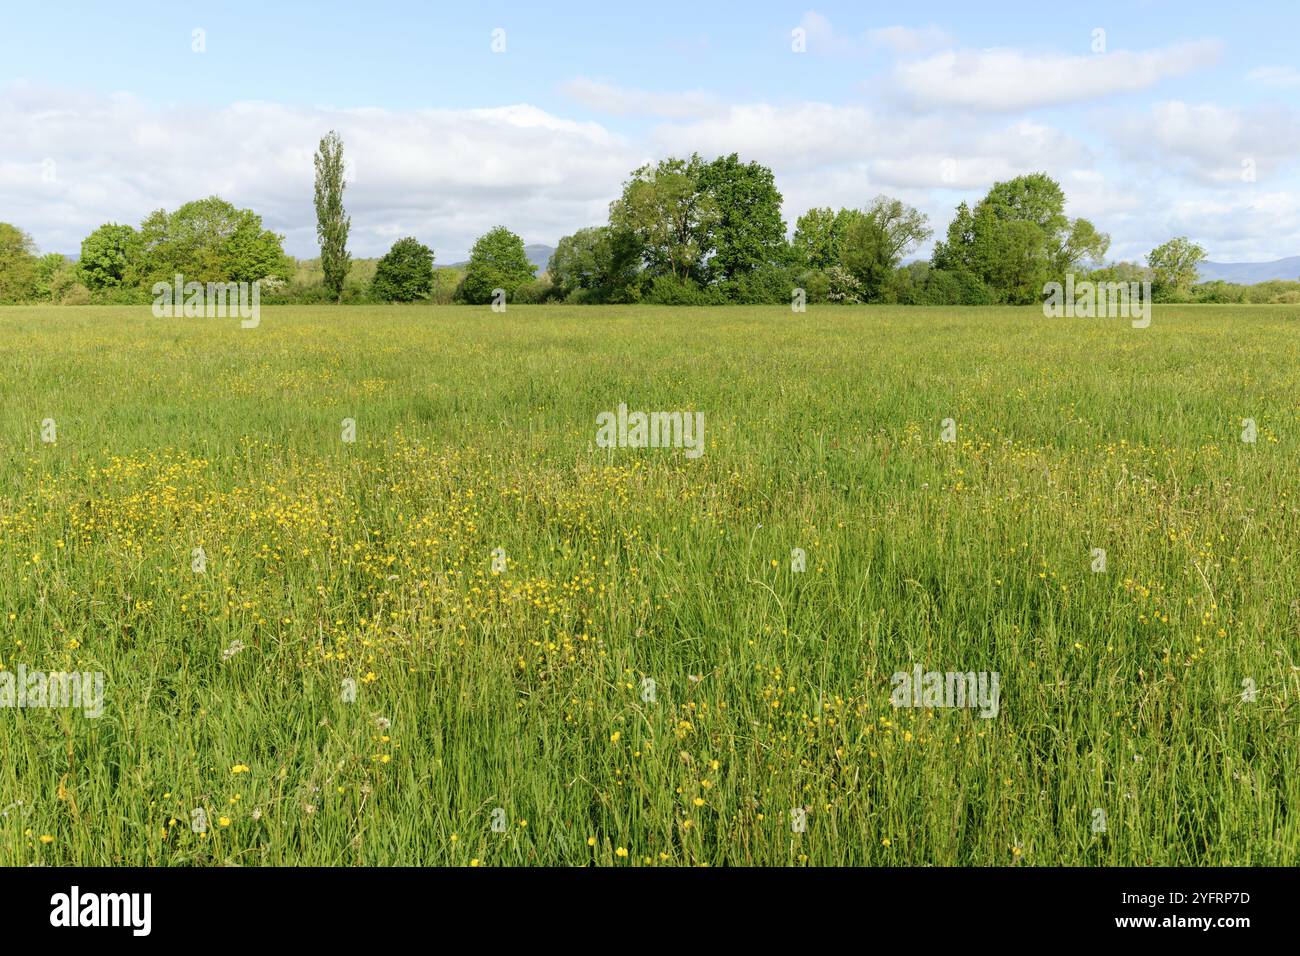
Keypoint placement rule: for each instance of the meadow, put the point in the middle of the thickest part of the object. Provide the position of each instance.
(306, 638)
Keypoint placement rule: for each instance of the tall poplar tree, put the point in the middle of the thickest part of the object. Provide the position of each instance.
(332, 223)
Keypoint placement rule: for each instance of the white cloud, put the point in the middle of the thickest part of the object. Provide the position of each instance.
(1278, 77)
(444, 176)
(1259, 226)
(909, 40)
(895, 150)
(1215, 144)
(1004, 80)
(622, 101)
(820, 36)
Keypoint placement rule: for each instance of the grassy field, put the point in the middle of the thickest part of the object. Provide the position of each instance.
(326, 561)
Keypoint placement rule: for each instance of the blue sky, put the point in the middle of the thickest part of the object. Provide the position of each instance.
(1181, 119)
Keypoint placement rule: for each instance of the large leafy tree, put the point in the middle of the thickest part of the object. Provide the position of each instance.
(209, 240)
(1018, 238)
(110, 257)
(598, 264)
(671, 217)
(748, 233)
(497, 261)
(55, 277)
(18, 265)
(405, 273)
(867, 244)
(332, 223)
(871, 242)
(1174, 266)
(815, 238)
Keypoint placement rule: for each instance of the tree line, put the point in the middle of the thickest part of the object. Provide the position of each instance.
(682, 232)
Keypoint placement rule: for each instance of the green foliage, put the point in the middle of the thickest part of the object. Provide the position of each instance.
(1119, 272)
(111, 256)
(669, 215)
(864, 243)
(670, 289)
(1173, 267)
(58, 281)
(749, 233)
(815, 235)
(405, 273)
(766, 285)
(445, 282)
(597, 264)
(17, 265)
(497, 261)
(871, 242)
(1017, 239)
(816, 285)
(332, 223)
(534, 291)
(209, 240)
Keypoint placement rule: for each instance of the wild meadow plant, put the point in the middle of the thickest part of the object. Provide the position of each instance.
(370, 589)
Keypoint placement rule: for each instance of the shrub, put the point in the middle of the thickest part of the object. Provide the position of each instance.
(76, 294)
(816, 285)
(844, 287)
(671, 290)
(405, 273)
(766, 285)
(497, 261)
(533, 292)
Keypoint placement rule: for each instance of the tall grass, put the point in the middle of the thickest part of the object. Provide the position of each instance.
(528, 691)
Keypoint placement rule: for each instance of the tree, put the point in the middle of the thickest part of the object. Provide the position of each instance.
(670, 216)
(815, 237)
(1016, 239)
(749, 233)
(332, 224)
(405, 273)
(209, 240)
(598, 264)
(56, 277)
(497, 261)
(17, 264)
(871, 242)
(110, 256)
(1174, 266)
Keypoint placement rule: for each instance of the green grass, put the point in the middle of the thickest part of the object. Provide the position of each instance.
(1120, 691)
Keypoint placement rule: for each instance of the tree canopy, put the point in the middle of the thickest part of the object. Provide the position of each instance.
(1017, 239)
(405, 273)
(497, 261)
(209, 240)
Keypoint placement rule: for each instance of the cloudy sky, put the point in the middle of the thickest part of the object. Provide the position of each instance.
(1159, 117)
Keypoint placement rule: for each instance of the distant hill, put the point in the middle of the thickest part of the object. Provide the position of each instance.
(1248, 273)
(537, 253)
